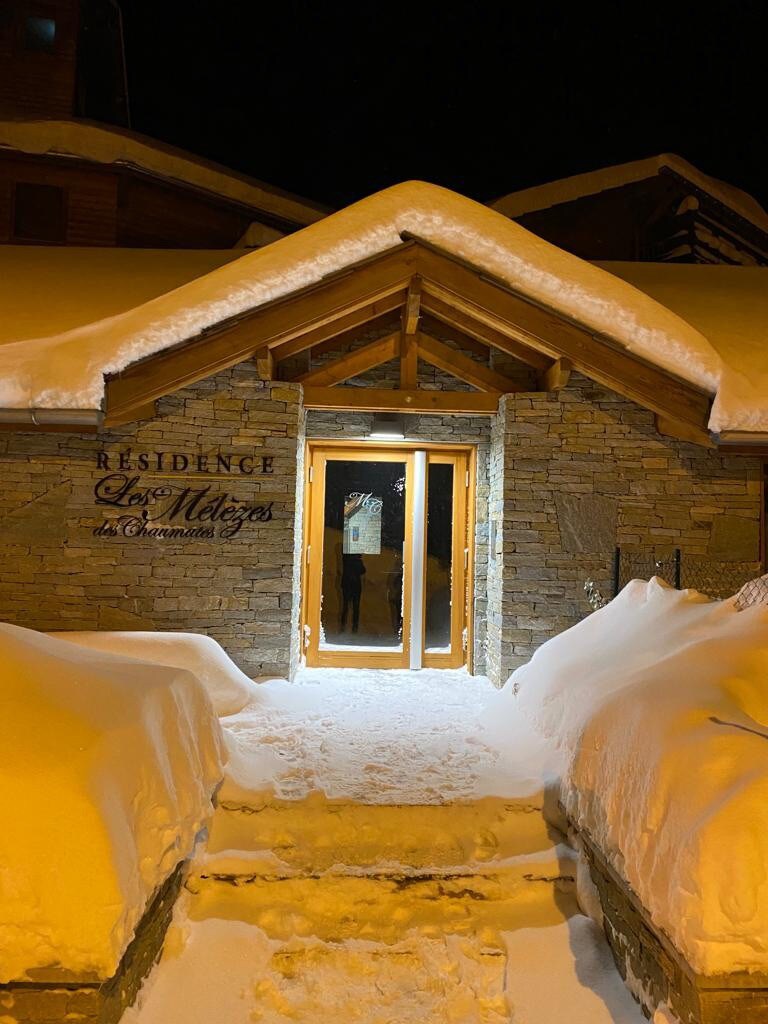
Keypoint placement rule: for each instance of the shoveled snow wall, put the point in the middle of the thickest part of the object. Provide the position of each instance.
(574, 473)
(108, 769)
(57, 574)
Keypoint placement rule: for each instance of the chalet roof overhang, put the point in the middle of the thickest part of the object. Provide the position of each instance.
(87, 143)
(406, 292)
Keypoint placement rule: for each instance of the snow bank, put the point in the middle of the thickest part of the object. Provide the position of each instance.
(106, 775)
(67, 370)
(229, 688)
(658, 706)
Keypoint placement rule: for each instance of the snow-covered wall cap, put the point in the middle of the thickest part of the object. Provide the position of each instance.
(67, 370)
(565, 190)
(105, 144)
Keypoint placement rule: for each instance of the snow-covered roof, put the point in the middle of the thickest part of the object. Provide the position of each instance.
(729, 306)
(66, 371)
(107, 308)
(106, 144)
(83, 285)
(565, 190)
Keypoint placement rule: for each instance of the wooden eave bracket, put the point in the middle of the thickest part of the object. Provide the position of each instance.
(265, 363)
(680, 431)
(556, 376)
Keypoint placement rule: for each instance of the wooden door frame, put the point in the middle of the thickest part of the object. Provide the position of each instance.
(462, 554)
(463, 455)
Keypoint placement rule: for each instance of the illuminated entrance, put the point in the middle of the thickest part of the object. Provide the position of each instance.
(388, 555)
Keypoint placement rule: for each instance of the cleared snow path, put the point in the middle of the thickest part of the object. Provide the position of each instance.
(375, 736)
(376, 859)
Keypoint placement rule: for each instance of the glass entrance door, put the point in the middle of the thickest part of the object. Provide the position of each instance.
(385, 580)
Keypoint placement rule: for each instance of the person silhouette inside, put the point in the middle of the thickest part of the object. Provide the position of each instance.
(352, 572)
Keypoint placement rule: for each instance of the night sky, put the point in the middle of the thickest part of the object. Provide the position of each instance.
(335, 100)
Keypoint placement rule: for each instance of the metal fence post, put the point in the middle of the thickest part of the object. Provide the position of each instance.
(678, 574)
(616, 570)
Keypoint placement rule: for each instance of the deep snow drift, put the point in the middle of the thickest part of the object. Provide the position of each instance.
(106, 775)
(658, 708)
(229, 688)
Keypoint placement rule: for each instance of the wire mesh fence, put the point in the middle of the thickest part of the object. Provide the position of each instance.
(716, 579)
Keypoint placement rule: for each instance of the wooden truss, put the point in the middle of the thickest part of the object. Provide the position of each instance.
(416, 300)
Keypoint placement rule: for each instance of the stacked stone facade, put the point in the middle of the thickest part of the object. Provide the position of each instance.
(562, 478)
(573, 474)
(56, 574)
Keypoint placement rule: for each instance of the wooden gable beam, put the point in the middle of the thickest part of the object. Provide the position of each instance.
(555, 336)
(408, 344)
(412, 307)
(462, 321)
(440, 330)
(471, 403)
(343, 329)
(448, 359)
(385, 324)
(325, 308)
(353, 363)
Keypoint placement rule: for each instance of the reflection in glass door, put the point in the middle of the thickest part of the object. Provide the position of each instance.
(386, 550)
(361, 601)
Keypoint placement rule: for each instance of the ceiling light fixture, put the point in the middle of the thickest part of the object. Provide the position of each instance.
(387, 426)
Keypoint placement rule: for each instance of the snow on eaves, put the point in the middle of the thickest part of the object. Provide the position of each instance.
(565, 190)
(67, 371)
(107, 144)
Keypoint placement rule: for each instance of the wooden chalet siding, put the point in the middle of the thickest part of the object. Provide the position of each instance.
(90, 196)
(112, 205)
(650, 220)
(611, 225)
(38, 84)
(155, 214)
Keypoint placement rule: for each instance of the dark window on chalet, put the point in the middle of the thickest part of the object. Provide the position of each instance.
(39, 213)
(39, 34)
(6, 19)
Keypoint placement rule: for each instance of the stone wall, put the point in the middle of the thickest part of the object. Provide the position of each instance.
(434, 429)
(56, 574)
(64, 997)
(562, 478)
(577, 472)
(655, 971)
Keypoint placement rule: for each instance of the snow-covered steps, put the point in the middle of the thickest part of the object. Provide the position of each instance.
(230, 972)
(315, 835)
(535, 889)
